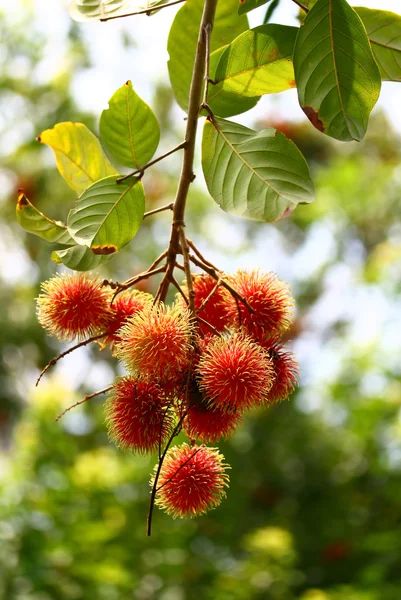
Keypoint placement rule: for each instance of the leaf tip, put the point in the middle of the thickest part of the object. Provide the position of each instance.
(106, 249)
(313, 117)
(128, 83)
(21, 200)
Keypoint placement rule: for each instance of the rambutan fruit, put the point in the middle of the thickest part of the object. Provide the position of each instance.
(205, 422)
(286, 371)
(191, 481)
(215, 310)
(269, 298)
(234, 373)
(156, 342)
(73, 306)
(138, 415)
(124, 306)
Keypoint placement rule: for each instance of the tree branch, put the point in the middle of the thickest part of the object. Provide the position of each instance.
(141, 171)
(175, 432)
(158, 210)
(217, 276)
(130, 282)
(187, 175)
(55, 360)
(85, 399)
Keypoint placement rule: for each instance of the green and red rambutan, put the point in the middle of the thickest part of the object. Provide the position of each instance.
(214, 310)
(269, 298)
(286, 371)
(191, 481)
(73, 306)
(138, 415)
(125, 305)
(234, 373)
(156, 342)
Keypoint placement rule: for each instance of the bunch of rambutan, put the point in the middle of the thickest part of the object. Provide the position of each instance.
(198, 373)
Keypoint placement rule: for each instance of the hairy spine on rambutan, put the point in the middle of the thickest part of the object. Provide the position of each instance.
(270, 299)
(138, 415)
(214, 311)
(73, 306)
(286, 371)
(191, 481)
(125, 305)
(156, 342)
(234, 373)
(205, 422)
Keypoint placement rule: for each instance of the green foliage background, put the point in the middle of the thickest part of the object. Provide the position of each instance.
(313, 511)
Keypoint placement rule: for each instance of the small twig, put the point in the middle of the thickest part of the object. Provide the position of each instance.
(215, 274)
(187, 267)
(208, 325)
(85, 399)
(206, 107)
(302, 6)
(161, 426)
(202, 258)
(175, 432)
(178, 266)
(207, 33)
(158, 210)
(179, 288)
(209, 297)
(130, 282)
(141, 171)
(55, 360)
(145, 11)
(158, 260)
(115, 285)
(179, 469)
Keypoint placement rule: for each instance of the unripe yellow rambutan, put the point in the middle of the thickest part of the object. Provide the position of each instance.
(156, 342)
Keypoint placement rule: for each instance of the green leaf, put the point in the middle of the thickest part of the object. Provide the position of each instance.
(256, 175)
(384, 32)
(258, 62)
(95, 10)
(79, 156)
(248, 5)
(79, 258)
(129, 129)
(107, 215)
(183, 38)
(337, 77)
(222, 102)
(33, 221)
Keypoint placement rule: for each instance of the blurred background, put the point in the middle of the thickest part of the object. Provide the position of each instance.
(314, 507)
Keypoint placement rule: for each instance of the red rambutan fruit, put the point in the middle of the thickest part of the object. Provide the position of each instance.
(138, 415)
(235, 373)
(286, 370)
(156, 342)
(206, 423)
(191, 481)
(268, 296)
(124, 306)
(215, 310)
(73, 306)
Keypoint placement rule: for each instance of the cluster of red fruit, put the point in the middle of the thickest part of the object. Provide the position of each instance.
(199, 375)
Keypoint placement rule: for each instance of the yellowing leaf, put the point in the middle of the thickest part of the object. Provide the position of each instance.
(79, 156)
